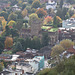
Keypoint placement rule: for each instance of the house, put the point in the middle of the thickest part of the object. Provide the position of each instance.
(37, 63)
(51, 4)
(5, 56)
(26, 67)
(66, 5)
(15, 8)
(68, 23)
(67, 33)
(71, 50)
(12, 72)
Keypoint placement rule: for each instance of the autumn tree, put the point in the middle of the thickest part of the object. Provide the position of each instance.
(56, 50)
(12, 16)
(24, 12)
(8, 42)
(19, 24)
(36, 4)
(12, 24)
(73, 16)
(57, 21)
(19, 14)
(32, 17)
(41, 12)
(4, 14)
(48, 20)
(66, 43)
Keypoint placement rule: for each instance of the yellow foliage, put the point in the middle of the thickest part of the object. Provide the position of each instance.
(4, 24)
(66, 43)
(56, 50)
(73, 16)
(8, 42)
(24, 12)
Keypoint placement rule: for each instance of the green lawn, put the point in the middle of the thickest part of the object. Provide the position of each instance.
(53, 30)
(45, 27)
(7, 52)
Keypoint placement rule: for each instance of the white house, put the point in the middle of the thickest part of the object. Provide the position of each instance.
(51, 4)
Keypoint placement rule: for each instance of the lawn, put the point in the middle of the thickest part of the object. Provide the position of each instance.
(53, 30)
(7, 52)
(46, 27)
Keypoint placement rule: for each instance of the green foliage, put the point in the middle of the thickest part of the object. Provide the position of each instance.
(23, 6)
(32, 18)
(61, 3)
(12, 16)
(19, 15)
(45, 39)
(4, 14)
(1, 68)
(30, 1)
(36, 44)
(36, 4)
(19, 24)
(17, 47)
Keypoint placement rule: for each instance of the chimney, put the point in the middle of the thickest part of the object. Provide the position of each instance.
(22, 71)
(15, 73)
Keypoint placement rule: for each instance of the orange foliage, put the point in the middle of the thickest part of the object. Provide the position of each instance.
(41, 12)
(8, 42)
(48, 19)
(59, 19)
(73, 16)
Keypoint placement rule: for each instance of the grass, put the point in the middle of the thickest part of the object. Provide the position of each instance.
(53, 30)
(45, 27)
(7, 52)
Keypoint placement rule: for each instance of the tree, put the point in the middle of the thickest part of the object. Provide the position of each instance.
(41, 12)
(45, 39)
(61, 3)
(1, 67)
(7, 31)
(8, 42)
(4, 14)
(48, 20)
(57, 21)
(19, 24)
(11, 23)
(22, 41)
(24, 12)
(32, 17)
(12, 16)
(66, 43)
(17, 47)
(36, 4)
(23, 6)
(14, 32)
(28, 9)
(56, 50)
(19, 14)
(30, 1)
(73, 16)
(36, 44)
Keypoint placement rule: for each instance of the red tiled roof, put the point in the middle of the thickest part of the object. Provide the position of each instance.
(71, 50)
